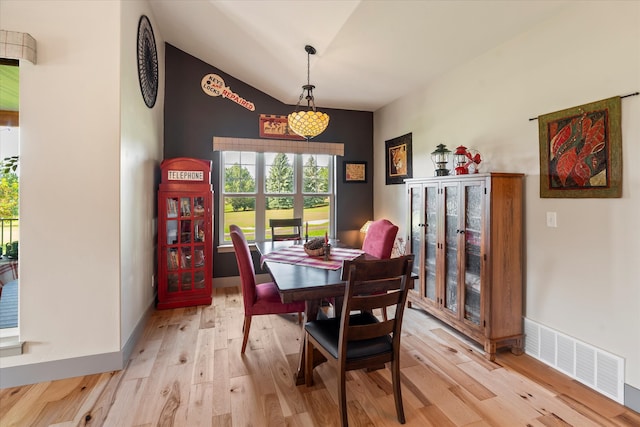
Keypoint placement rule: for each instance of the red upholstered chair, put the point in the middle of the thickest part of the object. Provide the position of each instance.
(260, 298)
(379, 238)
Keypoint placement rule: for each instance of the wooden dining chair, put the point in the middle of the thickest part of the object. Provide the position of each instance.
(379, 240)
(360, 340)
(292, 226)
(262, 298)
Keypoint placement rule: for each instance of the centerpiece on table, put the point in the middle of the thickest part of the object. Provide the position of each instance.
(315, 247)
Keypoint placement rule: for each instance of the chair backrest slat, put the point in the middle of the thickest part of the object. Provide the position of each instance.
(370, 302)
(365, 332)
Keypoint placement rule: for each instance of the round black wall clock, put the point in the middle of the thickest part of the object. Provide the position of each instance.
(147, 62)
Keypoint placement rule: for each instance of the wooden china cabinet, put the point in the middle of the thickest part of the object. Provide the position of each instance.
(466, 232)
(185, 206)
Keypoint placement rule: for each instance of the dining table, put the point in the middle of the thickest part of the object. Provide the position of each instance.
(301, 277)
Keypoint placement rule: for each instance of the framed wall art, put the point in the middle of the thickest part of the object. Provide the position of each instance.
(276, 127)
(581, 151)
(354, 171)
(398, 165)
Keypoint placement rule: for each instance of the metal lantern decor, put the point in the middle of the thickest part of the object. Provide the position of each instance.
(460, 160)
(311, 122)
(440, 158)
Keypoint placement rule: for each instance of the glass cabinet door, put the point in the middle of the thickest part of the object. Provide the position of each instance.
(423, 219)
(430, 240)
(473, 197)
(172, 224)
(415, 230)
(451, 234)
(172, 270)
(185, 230)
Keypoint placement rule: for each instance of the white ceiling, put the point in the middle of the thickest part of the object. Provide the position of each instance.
(369, 52)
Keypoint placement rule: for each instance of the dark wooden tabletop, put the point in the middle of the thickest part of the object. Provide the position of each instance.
(301, 283)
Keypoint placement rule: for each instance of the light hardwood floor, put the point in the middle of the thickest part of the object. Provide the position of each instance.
(187, 371)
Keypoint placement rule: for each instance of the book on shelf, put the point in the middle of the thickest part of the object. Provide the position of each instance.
(172, 208)
(172, 260)
(198, 257)
(186, 207)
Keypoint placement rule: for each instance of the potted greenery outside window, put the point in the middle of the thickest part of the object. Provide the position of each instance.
(9, 191)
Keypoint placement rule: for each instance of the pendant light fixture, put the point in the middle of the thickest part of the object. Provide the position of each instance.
(308, 123)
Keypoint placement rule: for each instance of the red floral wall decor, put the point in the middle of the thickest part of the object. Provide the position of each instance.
(581, 151)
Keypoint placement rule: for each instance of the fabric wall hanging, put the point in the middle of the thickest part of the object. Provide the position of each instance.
(581, 151)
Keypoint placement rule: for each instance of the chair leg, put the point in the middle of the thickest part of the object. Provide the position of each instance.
(299, 318)
(308, 361)
(342, 397)
(245, 329)
(397, 391)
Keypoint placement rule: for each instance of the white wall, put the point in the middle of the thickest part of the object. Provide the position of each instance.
(69, 155)
(140, 154)
(89, 152)
(582, 277)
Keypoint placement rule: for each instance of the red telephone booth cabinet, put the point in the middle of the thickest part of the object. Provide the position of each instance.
(185, 249)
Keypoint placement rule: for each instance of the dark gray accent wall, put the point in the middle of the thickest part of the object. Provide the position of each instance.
(192, 118)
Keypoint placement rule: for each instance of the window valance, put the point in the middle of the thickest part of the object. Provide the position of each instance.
(16, 45)
(277, 145)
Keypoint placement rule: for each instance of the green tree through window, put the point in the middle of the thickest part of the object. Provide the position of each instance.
(9, 195)
(279, 181)
(259, 186)
(315, 180)
(237, 179)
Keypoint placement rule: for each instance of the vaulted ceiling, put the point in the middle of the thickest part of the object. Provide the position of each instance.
(369, 53)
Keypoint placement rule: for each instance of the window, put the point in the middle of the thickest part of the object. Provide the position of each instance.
(10, 191)
(259, 186)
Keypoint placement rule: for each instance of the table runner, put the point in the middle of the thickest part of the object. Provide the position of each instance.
(296, 255)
